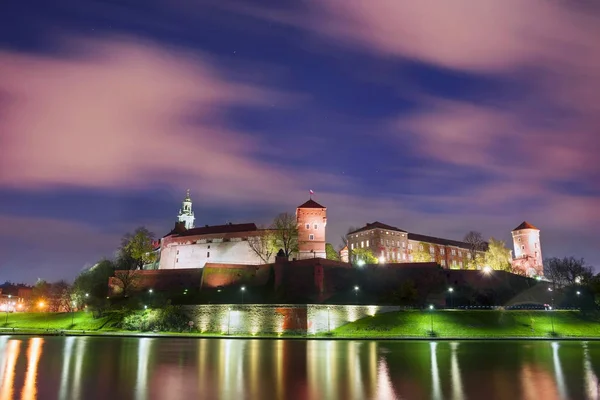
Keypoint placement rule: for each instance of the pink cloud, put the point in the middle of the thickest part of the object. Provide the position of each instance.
(116, 114)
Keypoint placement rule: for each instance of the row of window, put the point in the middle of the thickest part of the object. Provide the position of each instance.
(373, 232)
(315, 226)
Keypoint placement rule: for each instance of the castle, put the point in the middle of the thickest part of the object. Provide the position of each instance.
(189, 247)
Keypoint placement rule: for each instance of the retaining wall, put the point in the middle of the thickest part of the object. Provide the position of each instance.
(277, 319)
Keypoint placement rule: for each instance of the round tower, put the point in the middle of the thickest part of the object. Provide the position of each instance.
(186, 215)
(312, 220)
(528, 249)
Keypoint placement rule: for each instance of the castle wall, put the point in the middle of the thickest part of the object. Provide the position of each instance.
(277, 319)
(193, 252)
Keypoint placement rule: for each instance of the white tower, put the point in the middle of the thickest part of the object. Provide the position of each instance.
(528, 249)
(186, 215)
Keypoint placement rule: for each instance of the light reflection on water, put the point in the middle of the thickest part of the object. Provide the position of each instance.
(150, 368)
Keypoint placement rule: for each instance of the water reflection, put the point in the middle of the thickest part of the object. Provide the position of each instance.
(147, 369)
(33, 357)
(10, 352)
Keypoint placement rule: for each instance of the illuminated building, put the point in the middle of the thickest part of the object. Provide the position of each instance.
(186, 214)
(188, 247)
(394, 245)
(528, 249)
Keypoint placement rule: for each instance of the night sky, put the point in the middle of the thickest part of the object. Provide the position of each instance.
(438, 118)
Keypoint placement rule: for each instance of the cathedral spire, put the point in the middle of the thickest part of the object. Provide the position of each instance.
(186, 215)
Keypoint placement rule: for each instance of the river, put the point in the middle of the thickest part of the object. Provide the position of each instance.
(159, 368)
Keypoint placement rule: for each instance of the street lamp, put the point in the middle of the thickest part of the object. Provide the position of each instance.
(7, 304)
(551, 307)
(578, 293)
(73, 313)
(328, 326)
(42, 305)
(243, 289)
(450, 290)
(431, 314)
(356, 293)
(150, 291)
(487, 270)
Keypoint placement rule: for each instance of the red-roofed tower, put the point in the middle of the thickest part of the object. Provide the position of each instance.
(528, 250)
(312, 220)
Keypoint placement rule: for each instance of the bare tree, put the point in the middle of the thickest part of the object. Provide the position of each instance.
(127, 280)
(476, 243)
(345, 237)
(285, 232)
(567, 271)
(263, 245)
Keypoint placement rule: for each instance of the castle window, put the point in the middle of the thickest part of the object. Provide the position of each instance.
(387, 233)
(317, 226)
(362, 244)
(308, 227)
(442, 251)
(207, 254)
(177, 260)
(367, 243)
(453, 252)
(523, 247)
(443, 263)
(431, 249)
(381, 241)
(469, 256)
(410, 246)
(311, 237)
(519, 240)
(404, 256)
(410, 258)
(461, 264)
(403, 245)
(177, 252)
(536, 254)
(351, 246)
(536, 245)
(208, 246)
(421, 247)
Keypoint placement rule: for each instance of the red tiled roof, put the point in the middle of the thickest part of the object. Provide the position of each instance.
(311, 204)
(375, 225)
(440, 241)
(229, 228)
(525, 225)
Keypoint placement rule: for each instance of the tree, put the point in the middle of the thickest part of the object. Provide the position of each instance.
(497, 256)
(263, 245)
(331, 253)
(567, 271)
(420, 254)
(136, 249)
(127, 280)
(285, 231)
(92, 284)
(363, 255)
(345, 237)
(476, 244)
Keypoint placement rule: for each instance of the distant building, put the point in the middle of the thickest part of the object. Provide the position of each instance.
(185, 247)
(186, 214)
(528, 249)
(391, 244)
(344, 256)
(312, 220)
(394, 245)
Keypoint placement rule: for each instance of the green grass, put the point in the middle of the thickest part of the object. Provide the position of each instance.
(473, 324)
(80, 320)
(467, 324)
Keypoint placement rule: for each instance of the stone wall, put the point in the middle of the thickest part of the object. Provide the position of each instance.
(277, 319)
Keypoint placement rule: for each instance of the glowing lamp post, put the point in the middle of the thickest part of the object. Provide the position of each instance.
(73, 313)
(450, 290)
(7, 304)
(360, 263)
(551, 307)
(42, 305)
(431, 315)
(356, 293)
(487, 270)
(243, 290)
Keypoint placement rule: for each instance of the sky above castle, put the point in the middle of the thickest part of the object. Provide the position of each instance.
(438, 120)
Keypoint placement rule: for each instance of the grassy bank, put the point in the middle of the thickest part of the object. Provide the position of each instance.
(42, 321)
(493, 324)
(409, 324)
